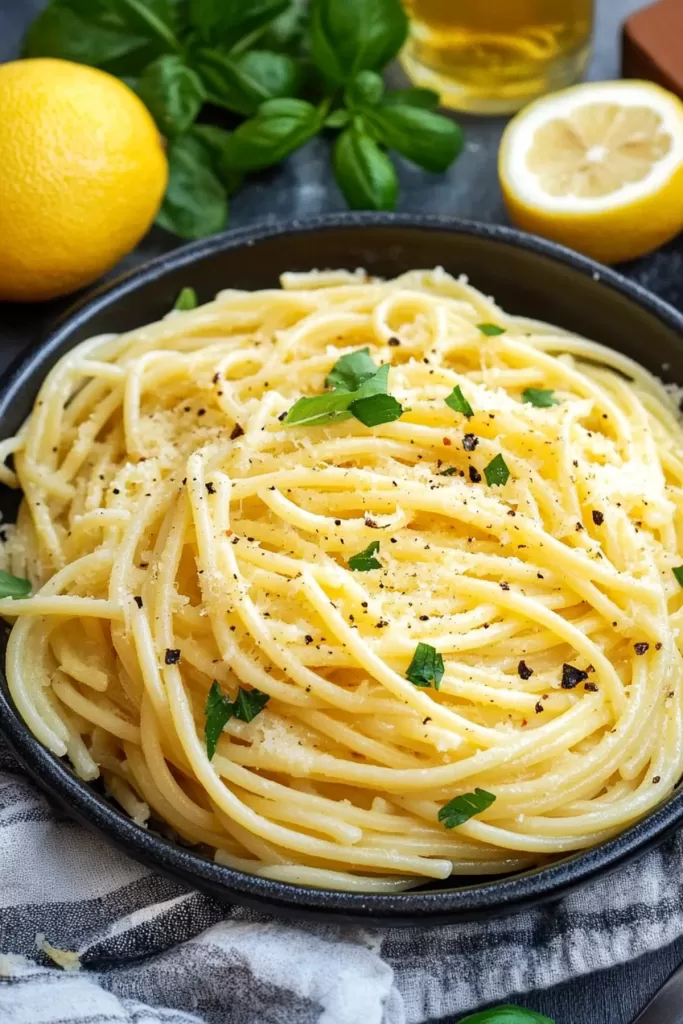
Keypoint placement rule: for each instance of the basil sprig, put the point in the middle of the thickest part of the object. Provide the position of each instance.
(187, 299)
(365, 560)
(540, 397)
(292, 69)
(219, 710)
(360, 389)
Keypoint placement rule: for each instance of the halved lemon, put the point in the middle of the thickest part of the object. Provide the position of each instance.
(598, 167)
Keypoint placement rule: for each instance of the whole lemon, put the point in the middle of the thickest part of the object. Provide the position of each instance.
(82, 175)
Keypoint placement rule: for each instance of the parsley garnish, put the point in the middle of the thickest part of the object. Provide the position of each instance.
(457, 401)
(187, 299)
(678, 573)
(497, 472)
(491, 330)
(352, 370)
(540, 398)
(370, 382)
(220, 710)
(426, 667)
(462, 808)
(451, 471)
(376, 409)
(364, 561)
(13, 586)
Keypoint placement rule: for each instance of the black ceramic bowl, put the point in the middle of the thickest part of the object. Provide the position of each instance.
(527, 276)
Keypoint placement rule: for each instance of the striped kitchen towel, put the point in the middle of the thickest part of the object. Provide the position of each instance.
(151, 950)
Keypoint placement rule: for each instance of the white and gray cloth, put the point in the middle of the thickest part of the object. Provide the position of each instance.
(155, 952)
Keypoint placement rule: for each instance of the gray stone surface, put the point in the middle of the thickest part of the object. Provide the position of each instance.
(470, 189)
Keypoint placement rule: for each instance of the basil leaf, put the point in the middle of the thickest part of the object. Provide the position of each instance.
(351, 370)
(348, 36)
(462, 808)
(540, 398)
(337, 119)
(491, 330)
(242, 84)
(413, 97)
(218, 711)
(150, 17)
(195, 203)
(366, 88)
(376, 409)
(229, 21)
(172, 92)
(507, 1014)
(428, 139)
(13, 586)
(336, 405)
(280, 127)
(497, 472)
(249, 703)
(426, 667)
(187, 299)
(364, 173)
(364, 561)
(458, 403)
(89, 32)
(213, 141)
(678, 573)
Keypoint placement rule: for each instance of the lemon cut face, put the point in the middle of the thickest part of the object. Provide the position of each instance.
(597, 160)
(597, 149)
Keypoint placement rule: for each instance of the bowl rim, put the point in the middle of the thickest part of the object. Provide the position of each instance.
(52, 774)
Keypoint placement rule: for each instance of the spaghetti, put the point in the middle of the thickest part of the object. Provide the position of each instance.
(423, 622)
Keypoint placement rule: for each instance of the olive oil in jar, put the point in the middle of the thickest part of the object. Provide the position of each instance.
(493, 56)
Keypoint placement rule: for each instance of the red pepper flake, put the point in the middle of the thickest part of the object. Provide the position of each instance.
(228, 533)
(524, 722)
(447, 441)
(641, 648)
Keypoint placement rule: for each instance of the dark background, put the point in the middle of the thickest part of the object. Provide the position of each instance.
(470, 189)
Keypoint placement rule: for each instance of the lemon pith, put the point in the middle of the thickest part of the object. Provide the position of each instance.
(82, 174)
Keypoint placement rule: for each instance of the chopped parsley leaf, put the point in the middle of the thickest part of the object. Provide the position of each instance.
(462, 808)
(457, 401)
(13, 586)
(341, 404)
(219, 710)
(497, 472)
(490, 330)
(426, 667)
(540, 398)
(364, 561)
(187, 299)
(678, 573)
(451, 471)
(376, 409)
(352, 370)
